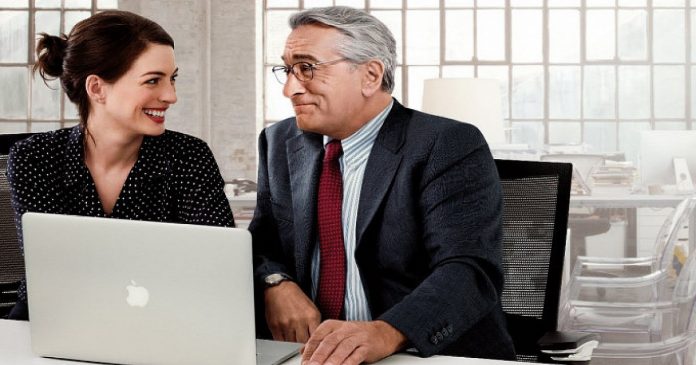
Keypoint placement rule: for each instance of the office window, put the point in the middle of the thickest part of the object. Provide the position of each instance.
(571, 71)
(26, 104)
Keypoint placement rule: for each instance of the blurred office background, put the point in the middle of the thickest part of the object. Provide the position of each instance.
(579, 80)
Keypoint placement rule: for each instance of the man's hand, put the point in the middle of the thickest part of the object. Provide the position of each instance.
(340, 342)
(290, 315)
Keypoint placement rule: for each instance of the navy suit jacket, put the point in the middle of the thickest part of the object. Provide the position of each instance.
(428, 240)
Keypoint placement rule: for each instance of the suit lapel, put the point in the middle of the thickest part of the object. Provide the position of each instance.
(304, 165)
(381, 168)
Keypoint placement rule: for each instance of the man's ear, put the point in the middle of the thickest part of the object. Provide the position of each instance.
(372, 80)
(96, 89)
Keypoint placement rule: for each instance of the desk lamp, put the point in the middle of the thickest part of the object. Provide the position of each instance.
(471, 100)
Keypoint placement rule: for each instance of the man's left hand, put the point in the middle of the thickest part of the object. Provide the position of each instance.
(341, 342)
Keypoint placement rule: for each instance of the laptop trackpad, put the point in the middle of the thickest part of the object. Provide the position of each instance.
(275, 352)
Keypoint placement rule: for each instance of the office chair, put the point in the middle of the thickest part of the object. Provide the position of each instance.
(645, 310)
(11, 259)
(536, 197)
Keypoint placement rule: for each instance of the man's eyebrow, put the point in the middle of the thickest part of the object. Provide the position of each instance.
(299, 57)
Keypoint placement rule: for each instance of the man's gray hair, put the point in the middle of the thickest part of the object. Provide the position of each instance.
(365, 37)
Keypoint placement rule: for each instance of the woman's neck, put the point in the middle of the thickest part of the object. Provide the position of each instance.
(107, 148)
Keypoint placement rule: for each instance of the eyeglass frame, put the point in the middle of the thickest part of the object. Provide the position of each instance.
(312, 66)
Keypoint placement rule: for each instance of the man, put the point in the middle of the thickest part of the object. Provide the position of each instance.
(381, 221)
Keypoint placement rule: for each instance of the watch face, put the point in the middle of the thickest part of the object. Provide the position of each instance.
(274, 279)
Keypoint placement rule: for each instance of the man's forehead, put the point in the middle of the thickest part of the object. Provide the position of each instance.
(310, 43)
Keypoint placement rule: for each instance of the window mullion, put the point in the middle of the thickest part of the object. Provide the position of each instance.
(30, 60)
(687, 66)
(617, 62)
(583, 62)
(547, 75)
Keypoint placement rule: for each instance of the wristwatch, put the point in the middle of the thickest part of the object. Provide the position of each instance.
(275, 279)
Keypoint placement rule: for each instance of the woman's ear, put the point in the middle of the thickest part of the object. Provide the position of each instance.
(96, 89)
(372, 80)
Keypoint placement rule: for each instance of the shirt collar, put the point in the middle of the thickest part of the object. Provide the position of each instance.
(365, 135)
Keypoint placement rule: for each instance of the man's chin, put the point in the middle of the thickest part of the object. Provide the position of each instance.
(306, 125)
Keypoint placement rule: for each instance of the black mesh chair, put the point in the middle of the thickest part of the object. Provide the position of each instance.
(11, 260)
(536, 196)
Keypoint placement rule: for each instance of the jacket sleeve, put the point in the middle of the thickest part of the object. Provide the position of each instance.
(268, 253)
(460, 199)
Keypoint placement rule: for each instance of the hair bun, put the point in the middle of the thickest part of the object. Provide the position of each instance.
(50, 52)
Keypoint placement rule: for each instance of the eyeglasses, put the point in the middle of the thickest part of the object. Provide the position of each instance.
(303, 71)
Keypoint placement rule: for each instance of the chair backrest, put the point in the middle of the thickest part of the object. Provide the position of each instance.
(658, 328)
(8, 140)
(11, 259)
(682, 235)
(536, 196)
(11, 262)
(668, 236)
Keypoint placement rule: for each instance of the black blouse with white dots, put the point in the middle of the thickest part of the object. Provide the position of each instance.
(175, 179)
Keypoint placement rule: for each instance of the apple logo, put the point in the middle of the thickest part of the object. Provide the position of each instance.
(138, 296)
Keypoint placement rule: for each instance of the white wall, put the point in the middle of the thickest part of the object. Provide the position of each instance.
(215, 46)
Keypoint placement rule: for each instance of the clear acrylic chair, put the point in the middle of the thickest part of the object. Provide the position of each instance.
(671, 249)
(642, 308)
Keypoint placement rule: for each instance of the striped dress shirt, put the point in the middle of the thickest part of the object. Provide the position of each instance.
(356, 151)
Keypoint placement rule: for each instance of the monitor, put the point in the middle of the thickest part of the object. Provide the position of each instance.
(668, 158)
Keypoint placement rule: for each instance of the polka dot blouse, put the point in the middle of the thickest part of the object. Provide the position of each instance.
(175, 179)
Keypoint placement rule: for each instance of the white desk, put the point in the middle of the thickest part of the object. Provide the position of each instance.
(631, 202)
(625, 201)
(15, 349)
(246, 201)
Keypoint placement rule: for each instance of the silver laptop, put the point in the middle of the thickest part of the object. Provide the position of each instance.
(132, 292)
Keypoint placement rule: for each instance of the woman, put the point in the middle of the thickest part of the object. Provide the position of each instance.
(120, 162)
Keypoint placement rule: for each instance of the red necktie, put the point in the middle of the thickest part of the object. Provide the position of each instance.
(332, 266)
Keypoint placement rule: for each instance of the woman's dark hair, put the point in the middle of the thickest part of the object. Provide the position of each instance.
(105, 44)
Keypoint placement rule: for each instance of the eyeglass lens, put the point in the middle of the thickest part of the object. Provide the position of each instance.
(301, 70)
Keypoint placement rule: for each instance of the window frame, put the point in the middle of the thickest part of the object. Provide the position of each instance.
(582, 6)
(30, 10)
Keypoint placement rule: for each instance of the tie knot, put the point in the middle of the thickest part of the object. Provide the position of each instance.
(333, 150)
